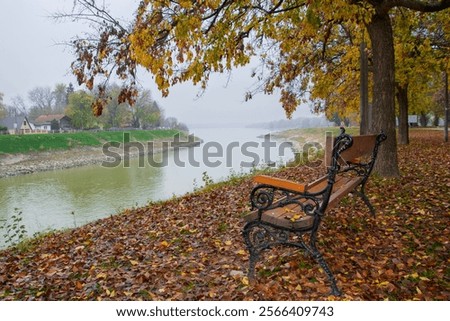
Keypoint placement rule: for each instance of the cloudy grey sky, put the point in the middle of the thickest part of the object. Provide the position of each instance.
(30, 56)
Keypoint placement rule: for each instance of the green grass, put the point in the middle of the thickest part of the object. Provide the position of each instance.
(13, 144)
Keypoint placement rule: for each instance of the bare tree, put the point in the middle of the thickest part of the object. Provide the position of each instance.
(60, 98)
(2, 107)
(18, 106)
(42, 98)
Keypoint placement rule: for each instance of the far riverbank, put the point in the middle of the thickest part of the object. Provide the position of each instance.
(14, 164)
(22, 164)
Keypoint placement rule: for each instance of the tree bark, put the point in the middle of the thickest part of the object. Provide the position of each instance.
(423, 119)
(364, 91)
(447, 108)
(383, 110)
(403, 125)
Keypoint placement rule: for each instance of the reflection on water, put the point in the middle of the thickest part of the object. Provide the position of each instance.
(72, 197)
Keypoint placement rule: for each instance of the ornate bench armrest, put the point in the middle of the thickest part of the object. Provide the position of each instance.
(280, 183)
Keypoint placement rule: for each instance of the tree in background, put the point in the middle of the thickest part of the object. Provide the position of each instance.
(54, 125)
(79, 110)
(3, 111)
(414, 66)
(420, 51)
(172, 123)
(42, 100)
(441, 43)
(339, 120)
(116, 114)
(17, 107)
(60, 98)
(438, 100)
(69, 90)
(146, 113)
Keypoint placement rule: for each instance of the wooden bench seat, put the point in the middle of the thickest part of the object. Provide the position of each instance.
(280, 183)
(284, 211)
(292, 216)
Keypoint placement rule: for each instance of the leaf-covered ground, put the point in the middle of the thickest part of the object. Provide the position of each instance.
(191, 248)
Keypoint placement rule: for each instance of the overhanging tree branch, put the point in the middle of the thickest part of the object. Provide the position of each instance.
(422, 6)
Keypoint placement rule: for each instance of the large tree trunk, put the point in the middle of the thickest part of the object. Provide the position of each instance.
(364, 91)
(423, 119)
(383, 110)
(403, 126)
(447, 108)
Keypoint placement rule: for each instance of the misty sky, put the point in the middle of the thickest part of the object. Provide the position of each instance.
(31, 56)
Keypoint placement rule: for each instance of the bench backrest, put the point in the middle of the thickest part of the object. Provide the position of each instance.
(362, 147)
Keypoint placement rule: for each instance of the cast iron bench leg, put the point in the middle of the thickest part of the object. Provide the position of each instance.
(264, 242)
(319, 259)
(366, 200)
(252, 248)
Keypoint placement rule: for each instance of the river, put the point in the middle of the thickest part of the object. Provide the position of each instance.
(69, 198)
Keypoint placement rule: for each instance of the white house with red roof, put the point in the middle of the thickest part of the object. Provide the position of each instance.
(44, 122)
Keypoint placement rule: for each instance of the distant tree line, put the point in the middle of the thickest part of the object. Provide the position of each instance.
(146, 113)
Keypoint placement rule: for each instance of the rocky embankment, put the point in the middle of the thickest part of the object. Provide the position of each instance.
(21, 164)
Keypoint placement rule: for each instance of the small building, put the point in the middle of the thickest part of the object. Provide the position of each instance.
(17, 125)
(44, 122)
(413, 121)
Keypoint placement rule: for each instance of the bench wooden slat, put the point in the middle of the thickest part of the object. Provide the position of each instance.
(322, 182)
(281, 183)
(281, 216)
(343, 190)
(317, 185)
(329, 141)
(362, 146)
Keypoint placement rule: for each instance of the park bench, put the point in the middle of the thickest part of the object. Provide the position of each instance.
(289, 213)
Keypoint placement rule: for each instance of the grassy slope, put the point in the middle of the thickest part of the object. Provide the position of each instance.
(44, 142)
